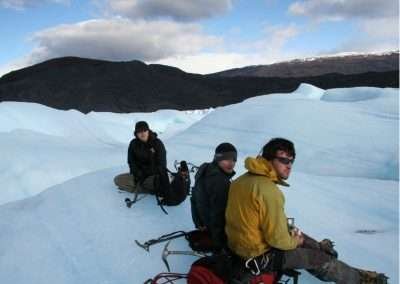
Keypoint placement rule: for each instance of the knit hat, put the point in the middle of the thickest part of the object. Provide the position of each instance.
(141, 126)
(225, 151)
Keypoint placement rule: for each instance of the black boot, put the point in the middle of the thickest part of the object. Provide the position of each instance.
(327, 245)
(372, 277)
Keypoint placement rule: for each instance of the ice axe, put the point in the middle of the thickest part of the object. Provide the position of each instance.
(174, 235)
(166, 253)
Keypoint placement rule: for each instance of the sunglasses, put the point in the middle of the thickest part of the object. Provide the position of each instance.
(285, 161)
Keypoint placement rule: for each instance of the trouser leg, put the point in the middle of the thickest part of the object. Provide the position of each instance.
(148, 185)
(125, 182)
(310, 243)
(321, 265)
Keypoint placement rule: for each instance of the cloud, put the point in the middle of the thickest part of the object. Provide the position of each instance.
(376, 35)
(269, 49)
(205, 63)
(328, 10)
(275, 37)
(376, 22)
(23, 4)
(380, 28)
(13, 65)
(273, 41)
(121, 40)
(163, 42)
(180, 10)
(116, 39)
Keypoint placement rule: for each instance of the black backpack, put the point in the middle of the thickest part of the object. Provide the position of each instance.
(178, 189)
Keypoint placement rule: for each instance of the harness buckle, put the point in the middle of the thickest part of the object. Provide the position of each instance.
(254, 266)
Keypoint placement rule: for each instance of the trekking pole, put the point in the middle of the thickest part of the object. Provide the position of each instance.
(167, 237)
(166, 253)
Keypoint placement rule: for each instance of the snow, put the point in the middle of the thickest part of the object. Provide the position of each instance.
(331, 136)
(47, 146)
(63, 221)
(336, 55)
(348, 54)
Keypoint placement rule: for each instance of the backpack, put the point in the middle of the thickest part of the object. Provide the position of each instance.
(222, 269)
(219, 268)
(200, 241)
(178, 189)
(200, 274)
(196, 191)
(214, 269)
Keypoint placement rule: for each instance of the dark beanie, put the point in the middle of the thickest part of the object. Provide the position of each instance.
(225, 151)
(141, 126)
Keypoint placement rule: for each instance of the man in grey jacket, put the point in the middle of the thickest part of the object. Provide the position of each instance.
(210, 193)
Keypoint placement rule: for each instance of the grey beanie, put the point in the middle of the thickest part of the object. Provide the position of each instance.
(225, 151)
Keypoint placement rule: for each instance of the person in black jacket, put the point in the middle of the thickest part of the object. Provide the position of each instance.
(147, 160)
(210, 193)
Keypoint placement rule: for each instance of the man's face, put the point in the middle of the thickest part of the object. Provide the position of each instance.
(282, 164)
(143, 135)
(227, 165)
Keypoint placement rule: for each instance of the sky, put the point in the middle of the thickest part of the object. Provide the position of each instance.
(202, 36)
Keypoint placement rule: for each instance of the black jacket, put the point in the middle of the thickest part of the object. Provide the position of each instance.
(147, 158)
(209, 199)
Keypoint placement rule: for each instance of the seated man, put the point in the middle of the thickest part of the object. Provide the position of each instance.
(147, 162)
(210, 193)
(257, 227)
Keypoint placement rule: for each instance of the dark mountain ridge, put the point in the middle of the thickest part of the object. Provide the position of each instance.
(348, 64)
(97, 85)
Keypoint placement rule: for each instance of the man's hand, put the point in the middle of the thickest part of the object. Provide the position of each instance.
(300, 240)
(298, 235)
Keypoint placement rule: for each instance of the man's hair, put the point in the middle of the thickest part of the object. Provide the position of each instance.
(278, 144)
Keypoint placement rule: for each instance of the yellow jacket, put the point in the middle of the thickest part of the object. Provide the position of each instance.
(255, 217)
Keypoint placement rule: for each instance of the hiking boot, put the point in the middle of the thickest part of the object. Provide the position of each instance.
(327, 245)
(372, 277)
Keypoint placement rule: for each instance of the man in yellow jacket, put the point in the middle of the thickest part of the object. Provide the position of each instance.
(257, 227)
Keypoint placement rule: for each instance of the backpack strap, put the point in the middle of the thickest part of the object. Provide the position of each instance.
(157, 185)
(160, 203)
(201, 171)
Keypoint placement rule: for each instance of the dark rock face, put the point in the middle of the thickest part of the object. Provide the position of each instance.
(351, 64)
(94, 85)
